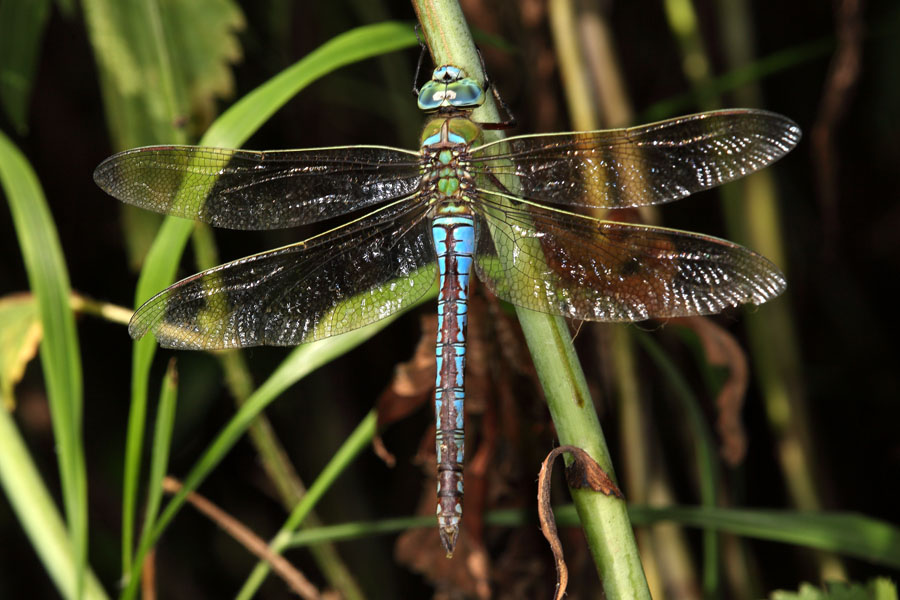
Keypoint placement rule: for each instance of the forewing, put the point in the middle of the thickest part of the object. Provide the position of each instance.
(240, 189)
(331, 284)
(583, 268)
(639, 166)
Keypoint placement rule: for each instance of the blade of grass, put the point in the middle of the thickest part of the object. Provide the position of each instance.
(37, 514)
(709, 90)
(355, 443)
(850, 534)
(60, 354)
(21, 32)
(361, 529)
(161, 112)
(844, 533)
(247, 115)
(165, 422)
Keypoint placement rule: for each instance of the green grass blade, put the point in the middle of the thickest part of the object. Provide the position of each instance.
(132, 46)
(162, 441)
(37, 514)
(773, 64)
(248, 114)
(355, 443)
(846, 533)
(60, 355)
(843, 533)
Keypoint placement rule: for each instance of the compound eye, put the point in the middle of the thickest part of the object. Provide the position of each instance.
(465, 93)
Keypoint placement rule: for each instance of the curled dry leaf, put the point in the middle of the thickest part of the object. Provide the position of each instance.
(583, 473)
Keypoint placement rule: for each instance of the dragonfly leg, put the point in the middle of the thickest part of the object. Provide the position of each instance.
(510, 121)
(423, 48)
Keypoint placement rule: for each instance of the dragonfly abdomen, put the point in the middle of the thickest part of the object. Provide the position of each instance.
(454, 243)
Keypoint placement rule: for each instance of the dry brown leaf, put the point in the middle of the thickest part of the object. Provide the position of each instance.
(583, 473)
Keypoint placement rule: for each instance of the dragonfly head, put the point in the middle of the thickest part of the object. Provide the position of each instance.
(449, 87)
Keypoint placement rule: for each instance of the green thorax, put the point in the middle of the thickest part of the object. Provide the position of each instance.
(445, 147)
(451, 130)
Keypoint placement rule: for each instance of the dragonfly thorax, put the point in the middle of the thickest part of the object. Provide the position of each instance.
(451, 130)
(447, 177)
(446, 174)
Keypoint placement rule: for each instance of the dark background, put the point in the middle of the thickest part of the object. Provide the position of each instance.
(842, 269)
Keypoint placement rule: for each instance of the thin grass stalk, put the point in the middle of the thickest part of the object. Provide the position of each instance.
(705, 456)
(603, 518)
(355, 443)
(773, 336)
(159, 124)
(162, 442)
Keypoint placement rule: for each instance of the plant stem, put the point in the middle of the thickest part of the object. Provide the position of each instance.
(604, 518)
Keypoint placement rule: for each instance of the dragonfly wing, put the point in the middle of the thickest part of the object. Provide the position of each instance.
(638, 166)
(583, 268)
(241, 189)
(327, 285)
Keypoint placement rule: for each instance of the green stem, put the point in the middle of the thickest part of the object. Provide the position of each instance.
(162, 443)
(604, 518)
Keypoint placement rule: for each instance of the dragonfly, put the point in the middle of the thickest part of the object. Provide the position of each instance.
(511, 211)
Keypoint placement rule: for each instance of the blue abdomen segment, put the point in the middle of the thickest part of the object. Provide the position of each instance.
(454, 243)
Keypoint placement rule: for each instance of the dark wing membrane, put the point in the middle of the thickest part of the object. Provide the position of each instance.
(240, 189)
(639, 166)
(331, 284)
(583, 268)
